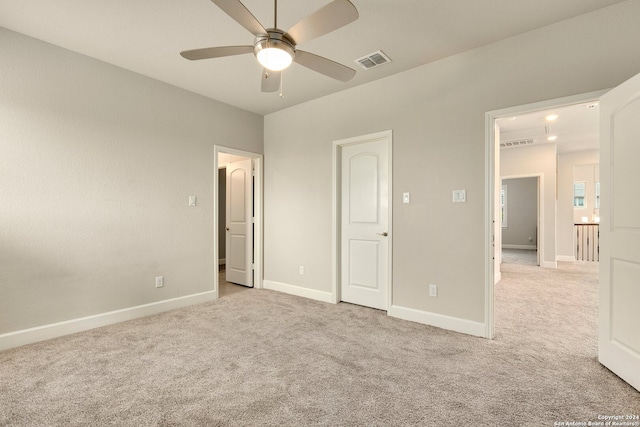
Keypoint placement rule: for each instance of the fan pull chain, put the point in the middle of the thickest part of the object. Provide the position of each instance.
(281, 80)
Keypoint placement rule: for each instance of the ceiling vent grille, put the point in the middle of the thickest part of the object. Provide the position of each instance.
(517, 143)
(373, 60)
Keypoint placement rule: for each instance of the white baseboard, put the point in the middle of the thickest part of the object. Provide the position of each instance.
(550, 264)
(497, 277)
(441, 321)
(526, 247)
(54, 330)
(565, 258)
(298, 291)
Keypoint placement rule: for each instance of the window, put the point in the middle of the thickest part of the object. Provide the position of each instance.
(579, 191)
(597, 194)
(503, 206)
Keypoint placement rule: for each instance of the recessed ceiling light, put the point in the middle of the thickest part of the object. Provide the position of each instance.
(552, 138)
(551, 117)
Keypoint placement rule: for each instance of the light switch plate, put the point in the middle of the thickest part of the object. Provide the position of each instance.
(459, 196)
(406, 198)
(193, 200)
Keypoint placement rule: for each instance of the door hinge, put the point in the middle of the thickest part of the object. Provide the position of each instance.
(253, 266)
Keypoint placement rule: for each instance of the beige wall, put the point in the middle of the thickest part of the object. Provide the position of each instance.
(96, 166)
(437, 114)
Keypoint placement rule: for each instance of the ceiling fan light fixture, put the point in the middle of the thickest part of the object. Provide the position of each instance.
(274, 54)
(274, 58)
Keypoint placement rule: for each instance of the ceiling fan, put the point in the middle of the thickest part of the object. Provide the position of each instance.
(275, 49)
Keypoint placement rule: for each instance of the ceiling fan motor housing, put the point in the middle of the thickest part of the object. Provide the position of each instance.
(274, 39)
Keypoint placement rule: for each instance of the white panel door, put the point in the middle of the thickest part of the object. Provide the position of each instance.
(619, 317)
(239, 239)
(365, 223)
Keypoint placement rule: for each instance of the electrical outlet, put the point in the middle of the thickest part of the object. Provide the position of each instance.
(302, 270)
(433, 290)
(160, 282)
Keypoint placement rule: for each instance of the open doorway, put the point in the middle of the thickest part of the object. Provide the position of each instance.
(238, 211)
(520, 219)
(544, 151)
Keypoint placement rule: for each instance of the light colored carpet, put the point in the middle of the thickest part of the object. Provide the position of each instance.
(226, 288)
(519, 256)
(260, 357)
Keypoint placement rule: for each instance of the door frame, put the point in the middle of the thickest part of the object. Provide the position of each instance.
(336, 232)
(258, 233)
(492, 179)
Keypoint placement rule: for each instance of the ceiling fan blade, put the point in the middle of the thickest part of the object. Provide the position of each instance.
(270, 80)
(324, 66)
(215, 52)
(236, 10)
(336, 14)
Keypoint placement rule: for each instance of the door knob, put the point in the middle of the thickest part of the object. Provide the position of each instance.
(383, 234)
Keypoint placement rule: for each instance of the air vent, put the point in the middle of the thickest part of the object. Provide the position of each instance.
(373, 60)
(517, 143)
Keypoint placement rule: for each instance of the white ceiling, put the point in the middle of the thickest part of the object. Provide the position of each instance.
(225, 158)
(576, 128)
(146, 36)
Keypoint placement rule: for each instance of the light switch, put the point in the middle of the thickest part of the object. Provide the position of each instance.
(459, 196)
(406, 198)
(192, 200)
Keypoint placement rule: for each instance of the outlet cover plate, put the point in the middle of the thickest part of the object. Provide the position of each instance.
(433, 290)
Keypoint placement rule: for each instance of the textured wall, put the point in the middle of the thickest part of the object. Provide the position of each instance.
(96, 166)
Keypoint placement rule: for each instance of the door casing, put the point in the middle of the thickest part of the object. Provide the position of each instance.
(336, 211)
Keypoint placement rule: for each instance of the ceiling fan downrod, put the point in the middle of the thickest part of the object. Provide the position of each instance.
(275, 13)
